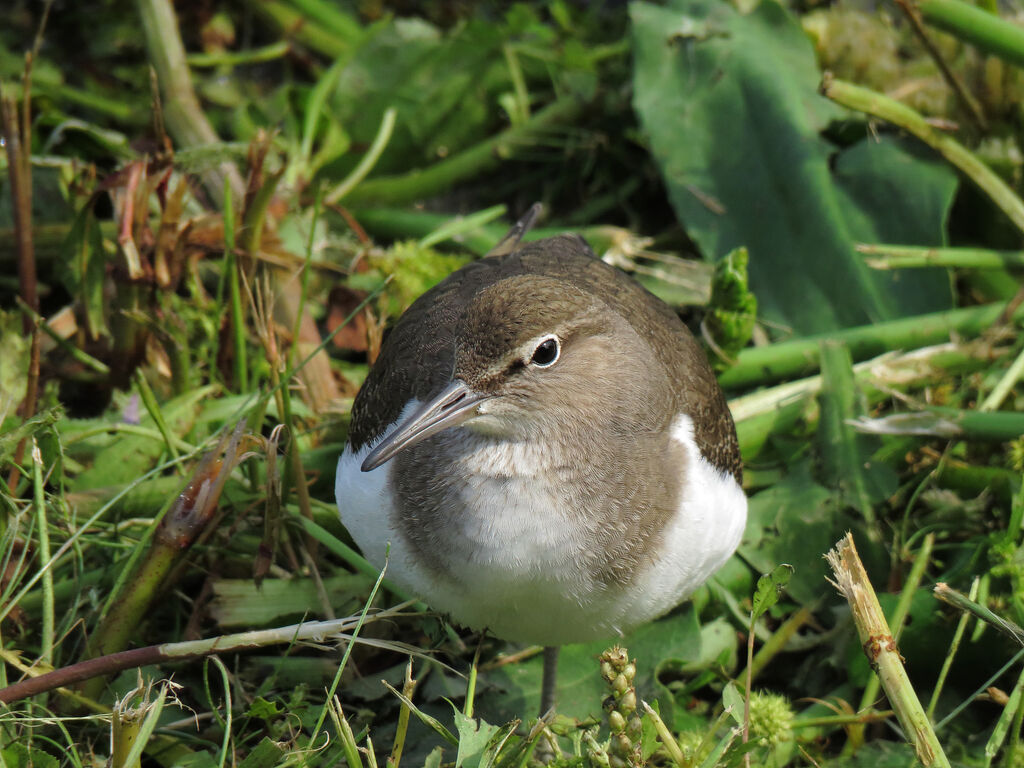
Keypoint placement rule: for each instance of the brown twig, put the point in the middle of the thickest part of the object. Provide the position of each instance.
(17, 138)
(102, 666)
(973, 109)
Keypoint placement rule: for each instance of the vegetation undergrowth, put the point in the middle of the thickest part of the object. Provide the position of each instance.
(209, 215)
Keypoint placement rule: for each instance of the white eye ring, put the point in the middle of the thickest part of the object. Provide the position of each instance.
(546, 353)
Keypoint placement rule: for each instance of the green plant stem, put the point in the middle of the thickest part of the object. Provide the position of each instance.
(1006, 383)
(340, 629)
(145, 576)
(899, 615)
(777, 642)
(881, 256)
(792, 407)
(408, 688)
(228, 709)
(42, 525)
(471, 682)
(380, 142)
(468, 164)
(828, 721)
(949, 423)
(345, 657)
(1009, 715)
(885, 108)
(880, 648)
(153, 408)
(960, 601)
(1018, 719)
(235, 294)
(522, 96)
(840, 446)
(234, 58)
(800, 357)
(665, 736)
(288, 21)
(971, 480)
(343, 26)
(976, 26)
(349, 747)
(66, 346)
(121, 623)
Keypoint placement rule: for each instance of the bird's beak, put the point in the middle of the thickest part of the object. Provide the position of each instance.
(455, 404)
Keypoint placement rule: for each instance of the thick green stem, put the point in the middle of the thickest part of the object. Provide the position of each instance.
(899, 615)
(852, 581)
(950, 424)
(880, 256)
(1005, 385)
(878, 105)
(800, 357)
(976, 26)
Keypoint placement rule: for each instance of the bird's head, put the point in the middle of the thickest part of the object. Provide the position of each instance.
(533, 355)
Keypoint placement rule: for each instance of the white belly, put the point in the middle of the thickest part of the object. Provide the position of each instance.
(520, 565)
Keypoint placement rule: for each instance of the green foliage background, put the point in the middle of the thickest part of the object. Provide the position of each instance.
(216, 188)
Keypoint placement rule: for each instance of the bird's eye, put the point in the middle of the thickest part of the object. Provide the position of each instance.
(546, 353)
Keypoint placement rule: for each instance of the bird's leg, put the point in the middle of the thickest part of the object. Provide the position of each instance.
(548, 683)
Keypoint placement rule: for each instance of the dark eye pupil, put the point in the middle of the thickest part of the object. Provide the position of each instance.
(546, 352)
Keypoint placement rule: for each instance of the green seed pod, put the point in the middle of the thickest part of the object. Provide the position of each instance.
(628, 701)
(620, 685)
(630, 671)
(635, 728)
(616, 722)
(621, 745)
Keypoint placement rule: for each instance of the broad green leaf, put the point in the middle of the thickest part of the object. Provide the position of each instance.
(263, 709)
(769, 587)
(794, 521)
(439, 83)
(21, 756)
(475, 736)
(123, 457)
(730, 105)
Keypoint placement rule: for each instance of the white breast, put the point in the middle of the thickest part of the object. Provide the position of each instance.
(520, 562)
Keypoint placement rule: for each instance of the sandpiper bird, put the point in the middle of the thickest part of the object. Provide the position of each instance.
(545, 450)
